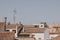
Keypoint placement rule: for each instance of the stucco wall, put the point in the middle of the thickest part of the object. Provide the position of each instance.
(37, 36)
(53, 35)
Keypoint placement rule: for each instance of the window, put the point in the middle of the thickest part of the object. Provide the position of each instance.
(33, 36)
(14, 31)
(7, 30)
(36, 26)
(23, 35)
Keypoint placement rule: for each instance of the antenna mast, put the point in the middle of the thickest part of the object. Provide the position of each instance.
(14, 15)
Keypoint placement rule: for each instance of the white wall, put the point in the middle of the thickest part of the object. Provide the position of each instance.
(53, 35)
(40, 25)
(38, 35)
(46, 34)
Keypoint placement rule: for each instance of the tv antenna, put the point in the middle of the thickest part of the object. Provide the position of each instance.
(14, 15)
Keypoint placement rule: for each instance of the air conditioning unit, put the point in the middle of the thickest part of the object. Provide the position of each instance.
(41, 25)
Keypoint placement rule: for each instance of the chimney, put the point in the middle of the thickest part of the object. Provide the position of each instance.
(46, 32)
(5, 24)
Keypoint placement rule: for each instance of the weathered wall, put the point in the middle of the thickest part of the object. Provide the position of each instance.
(6, 36)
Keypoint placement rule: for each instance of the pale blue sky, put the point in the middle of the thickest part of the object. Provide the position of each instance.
(31, 11)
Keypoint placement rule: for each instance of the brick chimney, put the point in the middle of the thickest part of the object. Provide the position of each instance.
(5, 23)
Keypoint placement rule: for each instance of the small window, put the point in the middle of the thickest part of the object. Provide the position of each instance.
(36, 26)
(7, 30)
(23, 35)
(14, 31)
(33, 36)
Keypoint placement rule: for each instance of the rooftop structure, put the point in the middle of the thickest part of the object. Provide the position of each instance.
(31, 31)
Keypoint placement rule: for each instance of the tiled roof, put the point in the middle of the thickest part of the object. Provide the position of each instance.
(32, 30)
(25, 26)
(55, 25)
(55, 32)
(29, 26)
(11, 26)
(1, 24)
(6, 32)
(53, 28)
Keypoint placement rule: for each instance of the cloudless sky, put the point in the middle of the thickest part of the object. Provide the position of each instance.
(31, 11)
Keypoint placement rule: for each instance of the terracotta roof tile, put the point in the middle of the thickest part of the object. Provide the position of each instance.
(11, 26)
(32, 30)
(29, 26)
(54, 32)
(56, 25)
